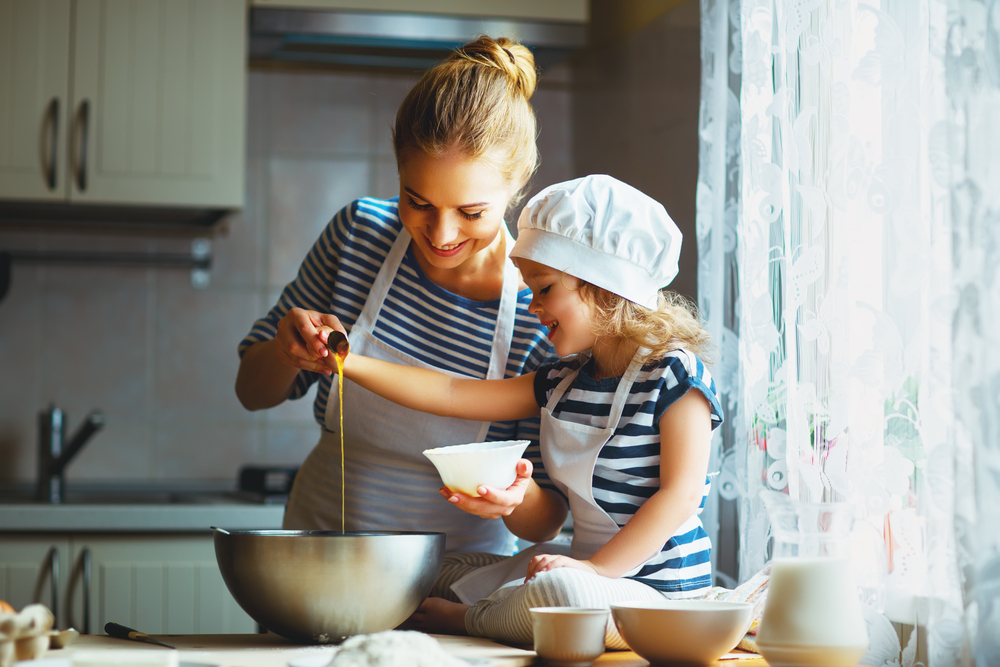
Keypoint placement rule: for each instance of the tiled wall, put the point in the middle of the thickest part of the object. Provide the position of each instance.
(157, 356)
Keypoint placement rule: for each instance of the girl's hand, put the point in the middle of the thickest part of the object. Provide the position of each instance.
(493, 503)
(301, 339)
(546, 562)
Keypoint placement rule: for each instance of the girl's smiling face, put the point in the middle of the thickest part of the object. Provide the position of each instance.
(452, 205)
(558, 305)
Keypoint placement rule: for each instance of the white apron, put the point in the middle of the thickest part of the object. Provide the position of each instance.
(569, 452)
(390, 484)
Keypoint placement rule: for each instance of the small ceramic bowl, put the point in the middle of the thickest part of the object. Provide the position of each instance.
(466, 467)
(679, 632)
(569, 636)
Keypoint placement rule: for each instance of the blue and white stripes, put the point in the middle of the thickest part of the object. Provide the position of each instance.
(627, 472)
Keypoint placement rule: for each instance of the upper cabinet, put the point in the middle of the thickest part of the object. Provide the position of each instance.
(138, 102)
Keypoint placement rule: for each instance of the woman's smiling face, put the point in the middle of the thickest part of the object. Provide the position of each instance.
(452, 205)
(557, 303)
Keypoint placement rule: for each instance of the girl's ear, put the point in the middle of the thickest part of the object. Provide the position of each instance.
(572, 283)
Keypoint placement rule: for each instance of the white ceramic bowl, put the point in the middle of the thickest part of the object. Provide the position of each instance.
(693, 632)
(466, 467)
(569, 636)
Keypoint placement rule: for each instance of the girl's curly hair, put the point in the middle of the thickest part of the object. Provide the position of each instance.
(674, 324)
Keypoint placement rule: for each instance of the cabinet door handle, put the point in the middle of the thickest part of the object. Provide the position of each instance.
(81, 571)
(85, 555)
(84, 131)
(53, 558)
(54, 142)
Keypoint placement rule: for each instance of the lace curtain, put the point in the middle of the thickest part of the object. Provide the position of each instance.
(848, 236)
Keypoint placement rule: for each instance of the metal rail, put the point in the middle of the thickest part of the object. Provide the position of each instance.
(163, 260)
(199, 261)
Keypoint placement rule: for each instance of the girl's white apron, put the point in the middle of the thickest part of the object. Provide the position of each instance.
(569, 451)
(390, 484)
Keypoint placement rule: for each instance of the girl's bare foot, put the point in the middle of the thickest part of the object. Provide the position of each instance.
(438, 616)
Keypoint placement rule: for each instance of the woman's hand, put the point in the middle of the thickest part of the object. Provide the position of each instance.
(301, 339)
(494, 503)
(546, 562)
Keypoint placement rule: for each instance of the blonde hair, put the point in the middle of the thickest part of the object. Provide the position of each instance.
(674, 323)
(476, 100)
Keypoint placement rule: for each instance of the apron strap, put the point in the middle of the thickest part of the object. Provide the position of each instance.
(506, 313)
(380, 287)
(621, 393)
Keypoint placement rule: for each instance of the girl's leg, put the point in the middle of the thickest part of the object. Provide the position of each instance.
(507, 618)
(442, 611)
(455, 566)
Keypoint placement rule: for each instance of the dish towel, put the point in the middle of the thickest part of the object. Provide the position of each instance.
(754, 591)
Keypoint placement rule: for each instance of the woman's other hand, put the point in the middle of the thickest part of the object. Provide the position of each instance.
(494, 503)
(545, 562)
(301, 339)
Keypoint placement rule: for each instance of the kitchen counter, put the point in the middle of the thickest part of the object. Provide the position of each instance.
(269, 650)
(137, 518)
(137, 509)
(264, 650)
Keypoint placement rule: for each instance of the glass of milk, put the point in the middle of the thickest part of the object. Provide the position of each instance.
(812, 615)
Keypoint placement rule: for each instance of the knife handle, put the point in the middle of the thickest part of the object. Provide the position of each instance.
(122, 632)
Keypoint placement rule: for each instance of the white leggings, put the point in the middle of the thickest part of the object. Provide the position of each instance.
(506, 617)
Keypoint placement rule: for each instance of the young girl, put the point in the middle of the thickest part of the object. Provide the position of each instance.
(627, 415)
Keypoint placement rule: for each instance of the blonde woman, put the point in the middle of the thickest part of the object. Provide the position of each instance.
(627, 415)
(423, 280)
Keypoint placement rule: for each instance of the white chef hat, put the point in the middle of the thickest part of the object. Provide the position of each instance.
(605, 232)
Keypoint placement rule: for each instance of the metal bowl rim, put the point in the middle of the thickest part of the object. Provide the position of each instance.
(278, 532)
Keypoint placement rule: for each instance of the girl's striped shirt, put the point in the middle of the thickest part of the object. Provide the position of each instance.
(418, 317)
(627, 472)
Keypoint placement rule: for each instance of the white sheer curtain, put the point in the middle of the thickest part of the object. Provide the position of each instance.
(849, 239)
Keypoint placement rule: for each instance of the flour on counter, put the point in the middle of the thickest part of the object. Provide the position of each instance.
(394, 648)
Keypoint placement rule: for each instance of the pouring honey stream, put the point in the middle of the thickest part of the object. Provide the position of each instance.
(338, 344)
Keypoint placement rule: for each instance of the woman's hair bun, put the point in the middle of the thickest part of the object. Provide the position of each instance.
(514, 59)
(478, 99)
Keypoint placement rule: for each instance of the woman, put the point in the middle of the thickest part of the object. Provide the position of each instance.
(424, 280)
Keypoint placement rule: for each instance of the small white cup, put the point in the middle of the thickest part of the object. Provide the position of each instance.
(569, 636)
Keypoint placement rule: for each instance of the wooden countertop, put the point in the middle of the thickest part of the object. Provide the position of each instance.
(269, 650)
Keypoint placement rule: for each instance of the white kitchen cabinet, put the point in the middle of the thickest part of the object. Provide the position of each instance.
(138, 102)
(159, 584)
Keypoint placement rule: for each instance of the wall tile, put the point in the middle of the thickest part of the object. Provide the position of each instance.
(202, 451)
(304, 195)
(96, 334)
(195, 341)
(238, 241)
(386, 178)
(120, 450)
(21, 345)
(320, 113)
(389, 92)
(258, 112)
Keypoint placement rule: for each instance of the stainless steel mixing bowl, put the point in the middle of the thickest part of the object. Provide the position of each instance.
(324, 586)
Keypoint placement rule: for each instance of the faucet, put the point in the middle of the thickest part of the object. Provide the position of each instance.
(54, 453)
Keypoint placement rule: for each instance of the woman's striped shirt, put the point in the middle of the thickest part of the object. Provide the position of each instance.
(418, 317)
(627, 472)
